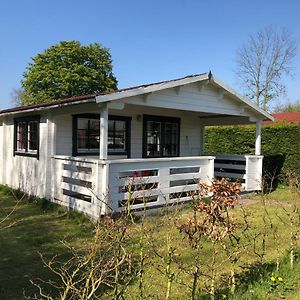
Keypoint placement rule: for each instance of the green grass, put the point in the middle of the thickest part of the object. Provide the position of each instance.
(281, 193)
(40, 227)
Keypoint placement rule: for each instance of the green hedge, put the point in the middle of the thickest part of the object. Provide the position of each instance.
(280, 144)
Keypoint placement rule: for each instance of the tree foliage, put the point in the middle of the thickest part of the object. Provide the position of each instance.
(263, 62)
(68, 69)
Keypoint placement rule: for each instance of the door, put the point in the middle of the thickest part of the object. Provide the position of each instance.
(161, 136)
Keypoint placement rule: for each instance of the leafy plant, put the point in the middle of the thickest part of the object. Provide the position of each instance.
(65, 70)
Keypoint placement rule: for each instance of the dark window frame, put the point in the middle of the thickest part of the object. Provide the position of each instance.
(163, 120)
(74, 133)
(127, 121)
(27, 120)
(127, 151)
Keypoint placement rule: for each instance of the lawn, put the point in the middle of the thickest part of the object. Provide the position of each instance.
(40, 228)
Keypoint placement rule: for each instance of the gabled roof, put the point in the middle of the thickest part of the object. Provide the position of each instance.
(141, 90)
(85, 98)
(154, 87)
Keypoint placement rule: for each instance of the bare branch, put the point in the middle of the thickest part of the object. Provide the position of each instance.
(263, 61)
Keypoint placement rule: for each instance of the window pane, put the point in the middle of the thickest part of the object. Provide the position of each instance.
(153, 138)
(88, 132)
(26, 137)
(162, 137)
(171, 139)
(88, 135)
(117, 136)
(33, 136)
(22, 136)
(94, 134)
(82, 133)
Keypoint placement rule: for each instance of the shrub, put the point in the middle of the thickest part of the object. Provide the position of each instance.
(280, 144)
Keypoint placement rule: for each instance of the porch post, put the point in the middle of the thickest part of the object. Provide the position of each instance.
(3, 168)
(103, 132)
(258, 138)
(50, 162)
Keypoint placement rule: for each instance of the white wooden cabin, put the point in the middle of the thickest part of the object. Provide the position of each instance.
(88, 152)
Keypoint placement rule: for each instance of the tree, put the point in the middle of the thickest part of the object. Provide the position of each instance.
(68, 69)
(263, 62)
(16, 96)
(287, 107)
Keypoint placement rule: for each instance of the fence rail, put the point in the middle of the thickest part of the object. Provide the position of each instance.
(246, 168)
(97, 187)
(155, 182)
(75, 184)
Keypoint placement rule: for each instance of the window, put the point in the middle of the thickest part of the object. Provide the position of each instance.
(26, 137)
(161, 136)
(86, 135)
(118, 135)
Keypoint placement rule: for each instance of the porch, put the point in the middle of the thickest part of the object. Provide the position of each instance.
(146, 145)
(98, 186)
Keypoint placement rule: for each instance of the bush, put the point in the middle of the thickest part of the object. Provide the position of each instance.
(280, 144)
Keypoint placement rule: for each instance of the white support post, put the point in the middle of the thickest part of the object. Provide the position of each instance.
(103, 132)
(258, 138)
(164, 183)
(3, 168)
(55, 179)
(48, 157)
(202, 139)
(101, 198)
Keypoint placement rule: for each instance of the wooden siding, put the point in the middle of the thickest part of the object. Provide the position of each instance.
(193, 97)
(25, 173)
(190, 130)
(63, 134)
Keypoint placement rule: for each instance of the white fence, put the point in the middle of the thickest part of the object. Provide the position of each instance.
(77, 184)
(96, 187)
(245, 168)
(155, 182)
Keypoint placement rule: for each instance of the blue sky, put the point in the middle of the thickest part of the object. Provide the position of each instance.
(149, 40)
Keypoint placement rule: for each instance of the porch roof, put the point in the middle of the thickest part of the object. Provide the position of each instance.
(141, 90)
(164, 85)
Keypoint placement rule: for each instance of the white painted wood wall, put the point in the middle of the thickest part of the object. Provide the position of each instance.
(25, 173)
(190, 130)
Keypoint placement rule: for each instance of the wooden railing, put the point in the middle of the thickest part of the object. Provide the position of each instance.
(156, 182)
(245, 168)
(76, 183)
(97, 187)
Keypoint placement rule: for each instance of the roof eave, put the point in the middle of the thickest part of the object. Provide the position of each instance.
(247, 101)
(8, 112)
(150, 89)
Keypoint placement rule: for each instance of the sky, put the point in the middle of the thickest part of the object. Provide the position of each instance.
(149, 40)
